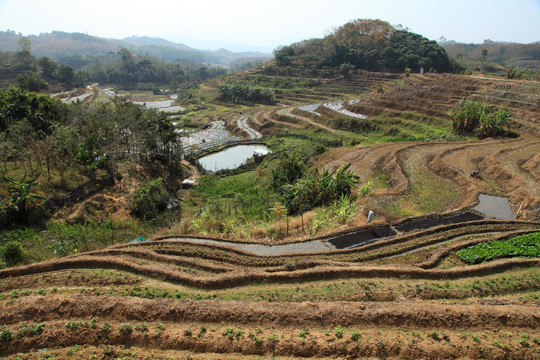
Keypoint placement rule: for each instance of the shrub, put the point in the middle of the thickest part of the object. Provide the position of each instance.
(12, 253)
(516, 73)
(30, 329)
(105, 327)
(317, 189)
(142, 327)
(474, 117)
(338, 330)
(149, 200)
(5, 334)
(126, 328)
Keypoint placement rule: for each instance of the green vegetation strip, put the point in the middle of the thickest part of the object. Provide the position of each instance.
(520, 246)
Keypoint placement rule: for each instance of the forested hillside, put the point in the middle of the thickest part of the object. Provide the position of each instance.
(526, 56)
(122, 69)
(372, 45)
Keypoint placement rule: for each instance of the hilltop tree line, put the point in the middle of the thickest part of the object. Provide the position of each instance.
(525, 56)
(126, 70)
(372, 45)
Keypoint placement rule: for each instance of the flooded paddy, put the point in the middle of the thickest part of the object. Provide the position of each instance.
(216, 135)
(495, 207)
(230, 158)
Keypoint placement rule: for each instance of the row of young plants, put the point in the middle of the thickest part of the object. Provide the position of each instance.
(523, 282)
(502, 339)
(520, 246)
(31, 329)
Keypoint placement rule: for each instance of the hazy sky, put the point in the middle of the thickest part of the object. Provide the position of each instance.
(264, 25)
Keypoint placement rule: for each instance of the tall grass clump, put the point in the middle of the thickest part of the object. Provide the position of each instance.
(315, 189)
(339, 212)
(479, 118)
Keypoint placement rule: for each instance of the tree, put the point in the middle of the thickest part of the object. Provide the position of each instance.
(24, 44)
(127, 60)
(484, 56)
(24, 58)
(283, 55)
(41, 111)
(66, 74)
(364, 33)
(32, 82)
(48, 66)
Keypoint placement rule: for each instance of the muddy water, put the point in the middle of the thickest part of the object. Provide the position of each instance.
(230, 158)
(260, 249)
(491, 206)
(495, 207)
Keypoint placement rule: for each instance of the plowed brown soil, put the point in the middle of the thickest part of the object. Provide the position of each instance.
(110, 312)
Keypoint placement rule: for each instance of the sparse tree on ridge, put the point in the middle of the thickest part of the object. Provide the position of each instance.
(484, 56)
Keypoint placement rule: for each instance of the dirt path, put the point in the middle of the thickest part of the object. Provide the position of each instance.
(195, 175)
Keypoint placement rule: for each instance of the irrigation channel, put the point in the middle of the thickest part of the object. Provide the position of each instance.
(491, 206)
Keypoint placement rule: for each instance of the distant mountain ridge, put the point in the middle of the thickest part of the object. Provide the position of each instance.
(59, 44)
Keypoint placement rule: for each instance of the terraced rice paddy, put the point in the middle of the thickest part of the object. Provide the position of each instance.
(399, 295)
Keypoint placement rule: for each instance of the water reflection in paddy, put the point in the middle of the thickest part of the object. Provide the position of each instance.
(230, 158)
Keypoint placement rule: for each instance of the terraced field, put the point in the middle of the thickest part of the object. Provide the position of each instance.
(413, 170)
(400, 294)
(403, 297)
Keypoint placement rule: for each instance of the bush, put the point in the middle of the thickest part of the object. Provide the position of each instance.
(125, 328)
(240, 92)
(12, 253)
(474, 117)
(149, 200)
(315, 189)
(516, 73)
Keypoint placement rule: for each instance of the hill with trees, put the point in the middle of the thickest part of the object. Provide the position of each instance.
(70, 48)
(372, 45)
(122, 68)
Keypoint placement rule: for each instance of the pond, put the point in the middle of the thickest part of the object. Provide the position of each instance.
(495, 207)
(230, 158)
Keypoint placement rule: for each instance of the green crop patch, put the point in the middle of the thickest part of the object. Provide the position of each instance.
(520, 246)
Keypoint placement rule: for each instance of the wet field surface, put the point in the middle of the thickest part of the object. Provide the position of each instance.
(230, 158)
(494, 206)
